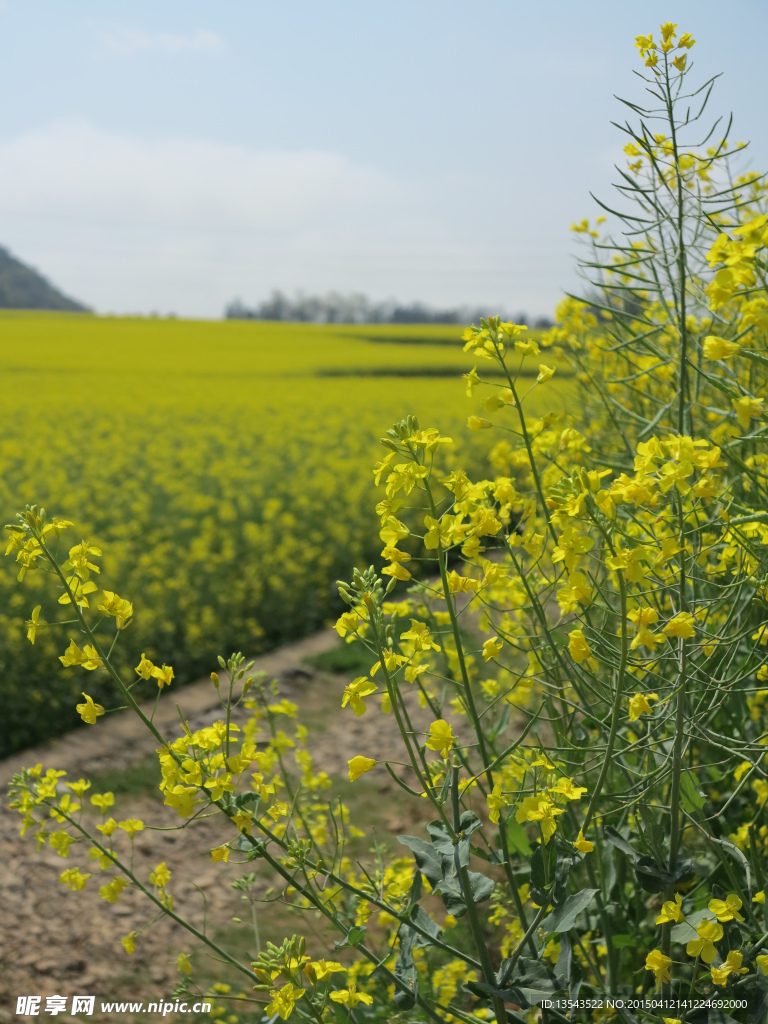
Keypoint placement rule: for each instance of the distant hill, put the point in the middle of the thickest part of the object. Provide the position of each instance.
(21, 287)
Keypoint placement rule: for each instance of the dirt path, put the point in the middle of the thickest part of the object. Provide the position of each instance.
(57, 942)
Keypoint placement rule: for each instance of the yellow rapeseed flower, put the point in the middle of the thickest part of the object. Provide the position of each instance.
(89, 711)
(539, 808)
(350, 997)
(491, 648)
(354, 693)
(317, 970)
(74, 879)
(583, 845)
(709, 933)
(131, 826)
(747, 409)
(681, 625)
(727, 909)
(160, 876)
(359, 765)
(164, 675)
(283, 1001)
(441, 737)
(183, 963)
(671, 911)
(112, 890)
(657, 962)
(35, 624)
(731, 965)
(87, 657)
(719, 348)
(144, 668)
(114, 605)
(578, 647)
(103, 800)
(639, 705)
(478, 423)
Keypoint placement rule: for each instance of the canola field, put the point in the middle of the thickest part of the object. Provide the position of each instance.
(223, 468)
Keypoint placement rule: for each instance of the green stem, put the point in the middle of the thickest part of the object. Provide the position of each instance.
(616, 710)
(462, 871)
(460, 647)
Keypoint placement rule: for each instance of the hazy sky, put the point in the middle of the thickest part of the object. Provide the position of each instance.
(172, 155)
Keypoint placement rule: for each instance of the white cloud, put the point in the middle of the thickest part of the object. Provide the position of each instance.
(72, 171)
(133, 225)
(127, 41)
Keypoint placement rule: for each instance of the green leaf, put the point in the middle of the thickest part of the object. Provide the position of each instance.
(517, 838)
(654, 836)
(623, 941)
(563, 918)
(353, 938)
(692, 797)
(710, 1016)
(655, 879)
(453, 897)
(415, 893)
(650, 876)
(482, 887)
(246, 801)
(405, 969)
(420, 917)
(531, 981)
(562, 870)
(564, 965)
(617, 840)
(492, 857)
(469, 823)
(427, 858)
(441, 838)
(543, 862)
(449, 887)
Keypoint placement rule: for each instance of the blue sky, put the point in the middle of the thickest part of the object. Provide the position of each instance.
(171, 156)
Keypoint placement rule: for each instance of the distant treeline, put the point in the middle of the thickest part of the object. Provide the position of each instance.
(334, 308)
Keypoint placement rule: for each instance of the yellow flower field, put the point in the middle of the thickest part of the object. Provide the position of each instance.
(224, 468)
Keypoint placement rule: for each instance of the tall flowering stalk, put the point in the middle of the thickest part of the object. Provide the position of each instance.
(585, 628)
